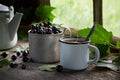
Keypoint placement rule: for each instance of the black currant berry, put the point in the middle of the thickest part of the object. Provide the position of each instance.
(13, 57)
(59, 68)
(23, 66)
(55, 30)
(32, 31)
(24, 53)
(59, 31)
(25, 59)
(49, 23)
(45, 24)
(4, 54)
(18, 53)
(48, 31)
(27, 51)
(13, 65)
(39, 31)
(33, 26)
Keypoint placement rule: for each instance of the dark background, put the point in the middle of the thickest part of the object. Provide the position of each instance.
(27, 7)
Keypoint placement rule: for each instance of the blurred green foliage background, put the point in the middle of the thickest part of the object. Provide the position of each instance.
(79, 14)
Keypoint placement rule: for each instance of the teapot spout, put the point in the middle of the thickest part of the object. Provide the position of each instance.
(14, 25)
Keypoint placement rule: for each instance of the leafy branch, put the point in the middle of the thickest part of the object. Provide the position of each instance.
(100, 38)
(44, 13)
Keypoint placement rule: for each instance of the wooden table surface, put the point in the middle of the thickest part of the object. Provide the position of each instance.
(31, 73)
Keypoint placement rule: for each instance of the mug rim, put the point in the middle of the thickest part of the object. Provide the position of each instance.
(62, 39)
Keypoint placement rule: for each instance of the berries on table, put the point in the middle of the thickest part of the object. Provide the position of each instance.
(13, 57)
(25, 59)
(23, 66)
(13, 62)
(13, 65)
(18, 53)
(25, 53)
(59, 68)
(4, 54)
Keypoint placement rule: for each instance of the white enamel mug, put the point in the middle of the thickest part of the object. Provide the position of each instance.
(74, 55)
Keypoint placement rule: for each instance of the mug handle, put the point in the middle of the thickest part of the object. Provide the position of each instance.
(97, 54)
(67, 29)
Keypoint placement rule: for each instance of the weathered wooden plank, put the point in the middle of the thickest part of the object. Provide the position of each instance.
(32, 72)
(44, 2)
(97, 10)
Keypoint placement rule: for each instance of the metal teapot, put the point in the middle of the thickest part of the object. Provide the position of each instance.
(9, 24)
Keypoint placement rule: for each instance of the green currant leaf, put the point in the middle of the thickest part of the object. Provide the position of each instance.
(104, 50)
(100, 35)
(107, 64)
(118, 44)
(101, 38)
(4, 62)
(47, 68)
(45, 13)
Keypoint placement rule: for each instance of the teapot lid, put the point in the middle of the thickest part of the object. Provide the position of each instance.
(3, 8)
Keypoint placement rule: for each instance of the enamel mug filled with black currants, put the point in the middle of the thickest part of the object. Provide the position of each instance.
(44, 42)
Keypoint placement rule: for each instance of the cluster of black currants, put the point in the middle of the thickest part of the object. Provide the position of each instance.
(45, 28)
(24, 55)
